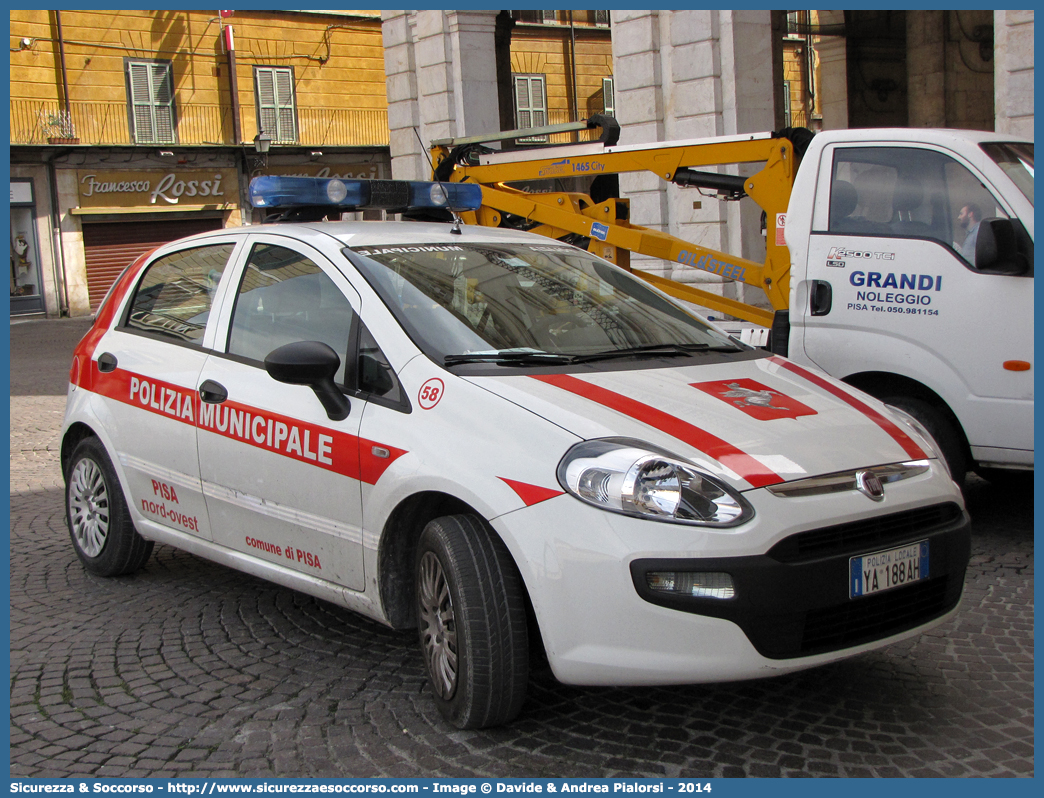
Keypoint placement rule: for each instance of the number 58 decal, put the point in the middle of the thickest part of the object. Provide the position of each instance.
(430, 393)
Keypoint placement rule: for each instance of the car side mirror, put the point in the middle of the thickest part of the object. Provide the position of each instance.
(314, 364)
(998, 248)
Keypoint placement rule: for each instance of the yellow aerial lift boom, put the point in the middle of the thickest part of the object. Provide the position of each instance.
(604, 221)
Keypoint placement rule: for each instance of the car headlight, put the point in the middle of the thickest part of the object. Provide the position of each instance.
(639, 479)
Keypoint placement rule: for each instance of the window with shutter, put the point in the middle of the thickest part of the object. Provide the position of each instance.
(601, 18)
(797, 23)
(150, 87)
(531, 104)
(535, 16)
(609, 96)
(276, 108)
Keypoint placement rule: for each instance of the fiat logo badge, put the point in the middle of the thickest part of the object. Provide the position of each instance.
(869, 484)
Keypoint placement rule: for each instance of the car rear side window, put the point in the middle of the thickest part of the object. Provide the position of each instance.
(175, 293)
(283, 298)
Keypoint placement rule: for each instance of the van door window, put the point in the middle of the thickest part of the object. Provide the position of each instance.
(1016, 161)
(971, 203)
(909, 193)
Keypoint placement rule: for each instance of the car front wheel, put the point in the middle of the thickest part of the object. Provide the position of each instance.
(99, 522)
(472, 622)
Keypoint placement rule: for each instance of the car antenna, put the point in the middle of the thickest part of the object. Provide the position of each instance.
(457, 221)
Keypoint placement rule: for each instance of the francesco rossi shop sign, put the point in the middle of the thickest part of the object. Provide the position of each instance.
(132, 188)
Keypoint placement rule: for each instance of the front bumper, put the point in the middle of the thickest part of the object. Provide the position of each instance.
(599, 628)
(793, 601)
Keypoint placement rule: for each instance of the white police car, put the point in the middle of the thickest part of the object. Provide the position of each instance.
(505, 442)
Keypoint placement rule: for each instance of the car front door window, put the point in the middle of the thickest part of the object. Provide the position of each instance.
(285, 297)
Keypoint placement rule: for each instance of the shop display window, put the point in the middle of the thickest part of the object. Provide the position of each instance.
(25, 251)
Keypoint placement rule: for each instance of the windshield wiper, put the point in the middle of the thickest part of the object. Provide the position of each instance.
(534, 358)
(654, 350)
(509, 358)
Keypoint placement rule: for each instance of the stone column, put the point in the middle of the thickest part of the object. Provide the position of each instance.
(1013, 75)
(926, 68)
(640, 108)
(748, 107)
(441, 74)
(684, 75)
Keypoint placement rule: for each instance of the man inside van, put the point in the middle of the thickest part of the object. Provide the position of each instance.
(969, 218)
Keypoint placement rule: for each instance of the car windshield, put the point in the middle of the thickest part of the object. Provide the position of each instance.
(1016, 160)
(526, 305)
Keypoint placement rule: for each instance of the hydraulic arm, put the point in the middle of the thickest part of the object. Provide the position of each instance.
(601, 223)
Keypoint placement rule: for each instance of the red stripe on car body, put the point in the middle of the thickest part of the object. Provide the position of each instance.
(530, 494)
(748, 467)
(82, 368)
(908, 444)
(307, 443)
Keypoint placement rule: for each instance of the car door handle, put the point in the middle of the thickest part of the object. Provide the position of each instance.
(213, 393)
(106, 362)
(821, 298)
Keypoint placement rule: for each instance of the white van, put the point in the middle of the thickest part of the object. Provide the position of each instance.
(912, 279)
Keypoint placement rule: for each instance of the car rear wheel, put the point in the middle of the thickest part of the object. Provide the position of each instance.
(472, 622)
(99, 522)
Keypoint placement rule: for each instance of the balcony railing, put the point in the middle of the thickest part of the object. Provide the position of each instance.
(101, 123)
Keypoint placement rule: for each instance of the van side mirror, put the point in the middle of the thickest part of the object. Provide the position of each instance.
(314, 364)
(1000, 249)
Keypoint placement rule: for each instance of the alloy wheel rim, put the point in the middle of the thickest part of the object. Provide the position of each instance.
(438, 628)
(89, 507)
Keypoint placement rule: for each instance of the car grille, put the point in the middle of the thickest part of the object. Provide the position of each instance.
(864, 620)
(864, 536)
(875, 617)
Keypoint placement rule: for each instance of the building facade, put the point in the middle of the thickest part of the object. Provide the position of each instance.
(465, 73)
(799, 100)
(965, 68)
(561, 69)
(133, 128)
(681, 74)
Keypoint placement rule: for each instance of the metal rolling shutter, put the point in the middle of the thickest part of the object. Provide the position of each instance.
(109, 247)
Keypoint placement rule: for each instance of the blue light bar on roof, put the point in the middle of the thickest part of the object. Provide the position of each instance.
(274, 191)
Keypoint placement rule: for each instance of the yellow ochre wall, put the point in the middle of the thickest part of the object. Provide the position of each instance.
(337, 57)
(545, 50)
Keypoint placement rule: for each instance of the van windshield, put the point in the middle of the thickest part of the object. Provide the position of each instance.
(527, 304)
(1016, 160)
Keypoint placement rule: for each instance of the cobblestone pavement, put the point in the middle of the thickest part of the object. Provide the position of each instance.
(191, 669)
